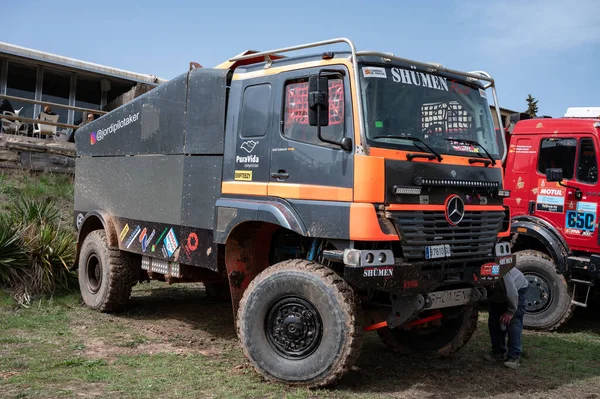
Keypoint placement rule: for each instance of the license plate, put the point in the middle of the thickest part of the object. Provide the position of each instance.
(437, 251)
(446, 299)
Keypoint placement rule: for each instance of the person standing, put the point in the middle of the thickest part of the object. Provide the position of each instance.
(506, 311)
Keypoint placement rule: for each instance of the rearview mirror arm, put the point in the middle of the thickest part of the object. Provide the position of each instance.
(319, 135)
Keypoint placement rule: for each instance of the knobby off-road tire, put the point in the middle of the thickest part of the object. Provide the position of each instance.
(300, 323)
(457, 328)
(556, 309)
(106, 275)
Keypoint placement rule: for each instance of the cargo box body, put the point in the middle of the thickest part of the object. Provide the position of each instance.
(155, 164)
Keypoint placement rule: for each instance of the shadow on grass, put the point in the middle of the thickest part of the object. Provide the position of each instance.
(552, 359)
(187, 304)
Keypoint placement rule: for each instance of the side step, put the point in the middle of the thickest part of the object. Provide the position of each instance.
(160, 266)
(576, 282)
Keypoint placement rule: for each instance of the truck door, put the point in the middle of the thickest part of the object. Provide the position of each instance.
(581, 216)
(575, 219)
(249, 119)
(302, 166)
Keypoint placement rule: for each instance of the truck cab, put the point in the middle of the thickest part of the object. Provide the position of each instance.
(312, 189)
(552, 173)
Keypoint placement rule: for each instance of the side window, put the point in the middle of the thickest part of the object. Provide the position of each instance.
(587, 166)
(256, 104)
(558, 153)
(295, 113)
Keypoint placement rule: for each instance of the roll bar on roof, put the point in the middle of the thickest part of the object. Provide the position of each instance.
(269, 55)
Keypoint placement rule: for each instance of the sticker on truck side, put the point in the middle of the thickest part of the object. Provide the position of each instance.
(550, 198)
(580, 218)
(244, 175)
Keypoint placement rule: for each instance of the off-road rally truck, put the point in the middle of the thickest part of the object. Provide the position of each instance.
(552, 173)
(327, 194)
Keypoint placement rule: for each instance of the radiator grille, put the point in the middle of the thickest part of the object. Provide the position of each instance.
(475, 236)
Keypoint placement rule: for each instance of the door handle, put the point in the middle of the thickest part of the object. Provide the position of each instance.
(280, 175)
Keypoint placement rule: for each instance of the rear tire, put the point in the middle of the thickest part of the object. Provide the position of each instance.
(548, 302)
(456, 329)
(106, 275)
(299, 323)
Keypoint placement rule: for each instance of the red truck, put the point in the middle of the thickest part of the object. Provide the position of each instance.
(552, 173)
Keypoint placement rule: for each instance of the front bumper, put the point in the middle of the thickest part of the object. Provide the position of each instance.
(410, 278)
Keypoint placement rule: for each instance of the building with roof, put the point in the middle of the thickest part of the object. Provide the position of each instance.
(30, 79)
(505, 115)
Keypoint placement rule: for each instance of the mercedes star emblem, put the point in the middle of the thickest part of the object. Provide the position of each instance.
(455, 210)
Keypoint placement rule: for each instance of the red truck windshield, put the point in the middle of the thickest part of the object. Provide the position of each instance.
(401, 102)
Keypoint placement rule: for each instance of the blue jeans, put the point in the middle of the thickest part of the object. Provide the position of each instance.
(514, 330)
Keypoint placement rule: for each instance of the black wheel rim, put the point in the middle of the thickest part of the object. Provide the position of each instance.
(93, 273)
(539, 294)
(293, 328)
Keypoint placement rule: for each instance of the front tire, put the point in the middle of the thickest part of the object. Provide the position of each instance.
(440, 339)
(299, 323)
(548, 303)
(106, 275)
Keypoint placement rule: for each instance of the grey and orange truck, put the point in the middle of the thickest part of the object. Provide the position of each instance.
(327, 195)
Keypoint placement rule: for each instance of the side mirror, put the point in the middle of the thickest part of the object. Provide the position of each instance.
(318, 101)
(346, 144)
(554, 174)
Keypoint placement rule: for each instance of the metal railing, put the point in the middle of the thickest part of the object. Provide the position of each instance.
(49, 123)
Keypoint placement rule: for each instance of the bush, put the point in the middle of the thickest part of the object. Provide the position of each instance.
(36, 252)
(13, 257)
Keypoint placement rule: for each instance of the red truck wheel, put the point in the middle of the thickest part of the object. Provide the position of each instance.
(106, 275)
(441, 339)
(548, 302)
(299, 323)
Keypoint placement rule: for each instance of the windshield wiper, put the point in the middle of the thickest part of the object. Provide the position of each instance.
(414, 140)
(473, 142)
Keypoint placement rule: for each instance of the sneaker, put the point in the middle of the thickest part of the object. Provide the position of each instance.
(495, 357)
(512, 363)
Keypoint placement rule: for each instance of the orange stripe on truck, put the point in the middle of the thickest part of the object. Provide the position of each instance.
(245, 188)
(400, 155)
(364, 224)
(309, 192)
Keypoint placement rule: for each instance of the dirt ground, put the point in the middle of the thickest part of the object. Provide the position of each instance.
(178, 326)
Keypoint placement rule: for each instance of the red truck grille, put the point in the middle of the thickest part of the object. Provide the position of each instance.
(474, 237)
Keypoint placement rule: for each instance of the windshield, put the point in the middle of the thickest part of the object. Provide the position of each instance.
(402, 102)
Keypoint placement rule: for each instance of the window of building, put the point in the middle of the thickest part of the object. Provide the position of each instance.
(255, 111)
(295, 115)
(21, 83)
(56, 89)
(558, 153)
(587, 166)
(87, 95)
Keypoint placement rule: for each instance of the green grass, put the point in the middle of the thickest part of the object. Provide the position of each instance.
(174, 343)
(56, 187)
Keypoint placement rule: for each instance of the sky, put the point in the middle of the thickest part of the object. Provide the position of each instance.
(547, 48)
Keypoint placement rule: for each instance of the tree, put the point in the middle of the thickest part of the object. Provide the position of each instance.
(532, 107)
